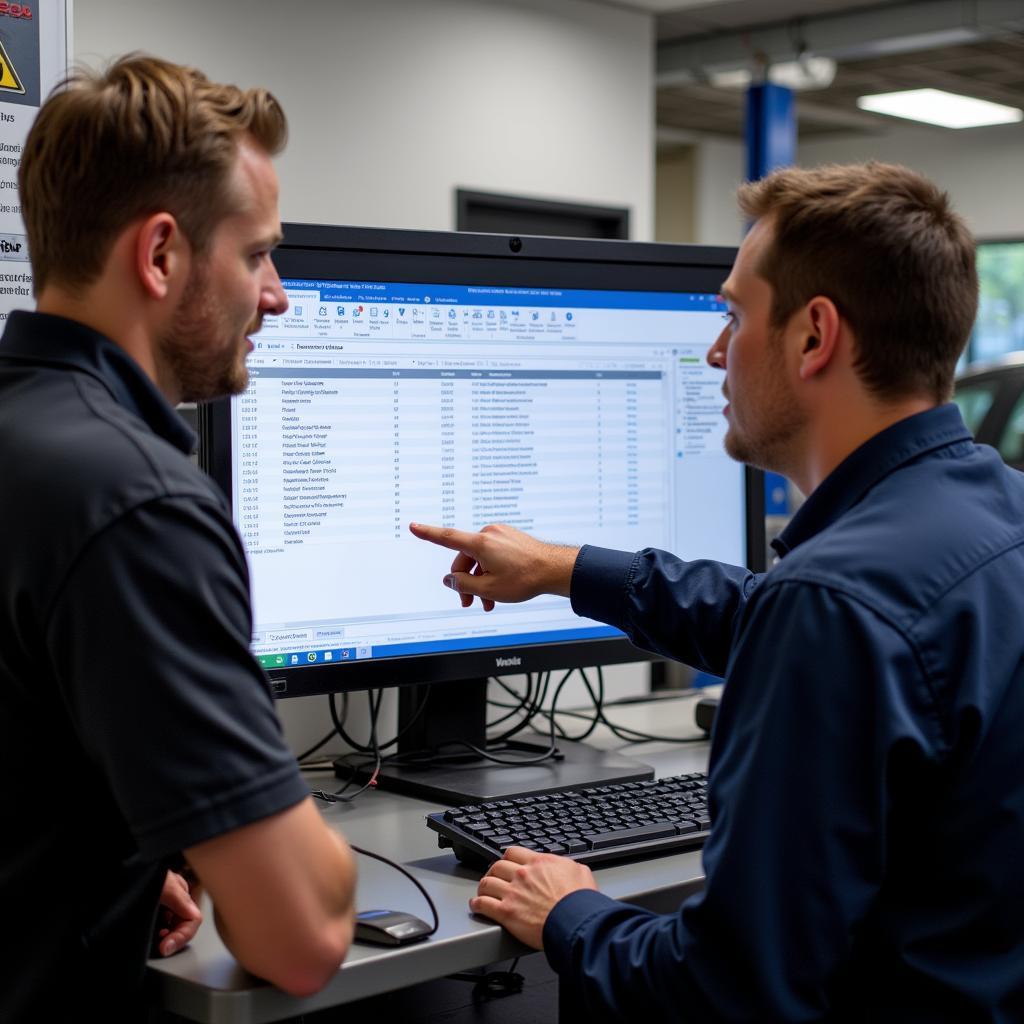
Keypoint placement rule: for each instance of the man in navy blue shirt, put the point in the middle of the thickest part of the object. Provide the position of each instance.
(866, 776)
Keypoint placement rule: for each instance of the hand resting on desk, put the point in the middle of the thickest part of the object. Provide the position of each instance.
(520, 890)
(180, 916)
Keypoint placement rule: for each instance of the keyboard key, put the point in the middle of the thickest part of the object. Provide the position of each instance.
(622, 837)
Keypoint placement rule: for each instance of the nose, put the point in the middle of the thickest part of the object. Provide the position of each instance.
(716, 354)
(273, 299)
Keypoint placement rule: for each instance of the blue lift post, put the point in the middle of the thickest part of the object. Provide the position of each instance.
(771, 143)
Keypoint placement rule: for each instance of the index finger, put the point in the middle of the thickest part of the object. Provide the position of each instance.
(457, 540)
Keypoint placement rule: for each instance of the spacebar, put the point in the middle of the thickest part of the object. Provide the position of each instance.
(624, 836)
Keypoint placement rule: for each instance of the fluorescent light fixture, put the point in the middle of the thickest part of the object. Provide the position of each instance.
(800, 75)
(935, 106)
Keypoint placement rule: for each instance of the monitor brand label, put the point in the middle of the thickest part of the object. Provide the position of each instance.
(508, 662)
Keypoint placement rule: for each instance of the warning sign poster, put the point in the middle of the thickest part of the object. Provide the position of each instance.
(34, 57)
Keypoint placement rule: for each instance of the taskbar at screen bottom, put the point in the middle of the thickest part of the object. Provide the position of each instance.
(362, 652)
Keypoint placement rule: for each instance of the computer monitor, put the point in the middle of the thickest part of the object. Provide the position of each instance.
(559, 385)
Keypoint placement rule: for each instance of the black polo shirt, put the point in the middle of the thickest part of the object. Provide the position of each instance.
(134, 722)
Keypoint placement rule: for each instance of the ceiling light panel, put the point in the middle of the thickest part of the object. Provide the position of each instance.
(935, 106)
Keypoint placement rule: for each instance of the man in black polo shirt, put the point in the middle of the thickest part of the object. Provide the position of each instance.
(134, 724)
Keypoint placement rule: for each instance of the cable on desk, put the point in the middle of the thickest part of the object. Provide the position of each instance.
(492, 984)
(376, 698)
(415, 881)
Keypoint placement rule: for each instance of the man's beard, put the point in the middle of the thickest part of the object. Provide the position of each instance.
(203, 356)
(768, 442)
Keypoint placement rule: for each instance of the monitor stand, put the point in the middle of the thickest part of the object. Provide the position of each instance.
(433, 716)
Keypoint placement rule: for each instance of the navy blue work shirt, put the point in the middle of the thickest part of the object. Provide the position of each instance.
(867, 765)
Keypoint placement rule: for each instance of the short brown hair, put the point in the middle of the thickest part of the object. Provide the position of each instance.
(142, 137)
(883, 243)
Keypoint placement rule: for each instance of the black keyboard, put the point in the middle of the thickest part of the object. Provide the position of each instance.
(601, 823)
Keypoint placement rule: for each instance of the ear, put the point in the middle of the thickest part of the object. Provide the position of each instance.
(820, 325)
(162, 255)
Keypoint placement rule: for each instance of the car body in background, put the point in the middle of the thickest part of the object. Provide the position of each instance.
(991, 400)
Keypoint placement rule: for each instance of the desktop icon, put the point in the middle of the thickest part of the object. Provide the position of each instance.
(279, 660)
(295, 659)
(328, 656)
(357, 310)
(535, 315)
(341, 311)
(344, 653)
(490, 314)
(568, 316)
(401, 310)
(322, 311)
(437, 313)
(311, 656)
(298, 311)
(451, 314)
(373, 311)
(387, 313)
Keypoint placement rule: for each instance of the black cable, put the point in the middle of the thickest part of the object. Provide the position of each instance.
(628, 735)
(427, 758)
(424, 700)
(535, 694)
(523, 698)
(316, 746)
(411, 877)
(598, 700)
(339, 723)
(368, 748)
(376, 698)
(492, 984)
(540, 758)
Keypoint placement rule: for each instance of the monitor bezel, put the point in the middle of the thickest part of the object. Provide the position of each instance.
(467, 258)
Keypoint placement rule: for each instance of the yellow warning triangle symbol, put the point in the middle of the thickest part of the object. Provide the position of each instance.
(9, 79)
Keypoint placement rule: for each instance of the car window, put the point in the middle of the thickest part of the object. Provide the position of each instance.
(974, 401)
(1011, 444)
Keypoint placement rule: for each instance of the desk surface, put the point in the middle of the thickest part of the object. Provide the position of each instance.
(205, 983)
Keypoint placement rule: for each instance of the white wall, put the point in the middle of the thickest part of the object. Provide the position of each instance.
(981, 168)
(720, 167)
(394, 103)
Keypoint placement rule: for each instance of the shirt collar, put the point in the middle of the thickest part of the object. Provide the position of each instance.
(56, 341)
(867, 465)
